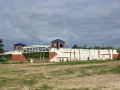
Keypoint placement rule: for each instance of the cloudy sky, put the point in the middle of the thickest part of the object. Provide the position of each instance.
(90, 22)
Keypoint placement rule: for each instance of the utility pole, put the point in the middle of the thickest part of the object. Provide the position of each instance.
(40, 57)
(43, 58)
(103, 45)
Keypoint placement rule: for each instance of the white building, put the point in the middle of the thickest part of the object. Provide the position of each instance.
(60, 53)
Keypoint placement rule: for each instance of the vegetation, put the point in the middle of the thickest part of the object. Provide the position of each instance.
(44, 87)
(118, 50)
(74, 63)
(94, 47)
(60, 77)
(1, 46)
(37, 55)
(116, 70)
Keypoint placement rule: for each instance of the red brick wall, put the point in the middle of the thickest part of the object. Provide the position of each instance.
(19, 57)
(51, 55)
(115, 56)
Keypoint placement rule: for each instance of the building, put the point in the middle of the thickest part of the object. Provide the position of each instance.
(64, 54)
(58, 52)
(17, 55)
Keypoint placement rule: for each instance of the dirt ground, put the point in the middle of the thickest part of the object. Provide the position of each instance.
(39, 76)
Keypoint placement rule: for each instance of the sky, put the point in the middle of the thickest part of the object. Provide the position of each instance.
(81, 22)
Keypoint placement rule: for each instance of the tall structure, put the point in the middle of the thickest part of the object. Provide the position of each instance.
(17, 55)
(58, 44)
(58, 52)
(18, 46)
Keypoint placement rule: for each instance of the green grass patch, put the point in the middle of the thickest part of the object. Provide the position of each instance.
(32, 79)
(13, 82)
(28, 80)
(95, 67)
(62, 72)
(78, 89)
(83, 71)
(8, 81)
(57, 73)
(11, 62)
(17, 71)
(92, 70)
(73, 63)
(69, 71)
(13, 72)
(116, 70)
(44, 87)
(103, 72)
(36, 76)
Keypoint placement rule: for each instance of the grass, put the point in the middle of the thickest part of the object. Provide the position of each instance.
(44, 87)
(94, 70)
(73, 63)
(83, 71)
(11, 62)
(95, 66)
(14, 72)
(99, 70)
(103, 72)
(62, 78)
(8, 82)
(78, 89)
(36, 76)
(116, 70)
(28, 80)
(62, 72)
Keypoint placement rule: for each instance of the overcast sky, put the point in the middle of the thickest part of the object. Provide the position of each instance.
(90, 22)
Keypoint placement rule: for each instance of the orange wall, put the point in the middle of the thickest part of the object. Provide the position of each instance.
(115, 56)
(19, 57)
(52, 54)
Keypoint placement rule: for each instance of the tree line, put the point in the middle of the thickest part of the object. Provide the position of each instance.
(74, 47)
(95, 47)
(91, 47)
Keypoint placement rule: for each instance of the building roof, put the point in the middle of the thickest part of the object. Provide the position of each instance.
(21, 44)
(58, 40)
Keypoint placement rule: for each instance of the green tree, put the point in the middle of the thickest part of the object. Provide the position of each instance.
(118, 50)
(75, 46)
(90, 47)
(1, 46)
(85, 47)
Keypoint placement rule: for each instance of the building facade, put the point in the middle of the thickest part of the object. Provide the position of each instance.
(58, 52)
(82, 54)
(64, 54)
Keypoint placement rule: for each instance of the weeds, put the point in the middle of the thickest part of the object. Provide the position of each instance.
(72, 63)
(44, 87)
(116, 70)
(78, 89)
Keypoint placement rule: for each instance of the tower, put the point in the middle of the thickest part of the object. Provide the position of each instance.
(58, 43)
(18, 55)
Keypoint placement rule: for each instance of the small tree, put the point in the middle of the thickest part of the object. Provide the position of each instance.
(85, 47)
(75, 46)
(1, 46)
(118, 50)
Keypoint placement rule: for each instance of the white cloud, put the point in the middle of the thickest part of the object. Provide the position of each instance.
(75, 21)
